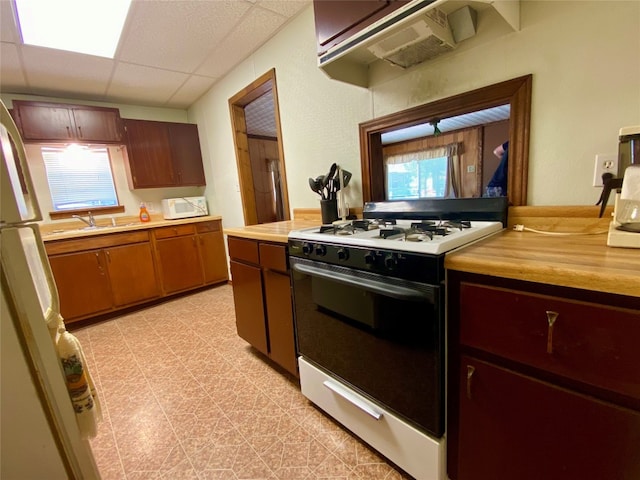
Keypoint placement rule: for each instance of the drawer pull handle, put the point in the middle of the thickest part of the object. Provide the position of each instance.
(551, 319)
(353, 399)
(470, 371)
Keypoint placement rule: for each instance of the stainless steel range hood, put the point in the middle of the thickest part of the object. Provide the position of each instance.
(417, 32)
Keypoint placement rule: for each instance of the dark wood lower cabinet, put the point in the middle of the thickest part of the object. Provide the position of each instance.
(517, 427)
(249, 305)
(132, 273)
(277, 288)
(262, 297)
(179, 261)
(543, 382)
(83, 283)
(101, 274)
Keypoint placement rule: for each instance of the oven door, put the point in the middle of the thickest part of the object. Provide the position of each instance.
(380, 335)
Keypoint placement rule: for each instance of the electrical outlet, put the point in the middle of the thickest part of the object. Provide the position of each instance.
(605, 163)
(151, 208)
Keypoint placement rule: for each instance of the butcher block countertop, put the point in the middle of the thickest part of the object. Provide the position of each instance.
(580, 261)
(270, 232)
(75, 228)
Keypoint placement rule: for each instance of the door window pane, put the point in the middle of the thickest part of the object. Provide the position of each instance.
(417, 179)
(79, 177)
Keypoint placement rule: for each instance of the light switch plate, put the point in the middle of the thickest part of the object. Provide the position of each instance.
(605, 163)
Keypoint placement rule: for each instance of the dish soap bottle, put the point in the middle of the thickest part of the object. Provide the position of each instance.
(144, 214)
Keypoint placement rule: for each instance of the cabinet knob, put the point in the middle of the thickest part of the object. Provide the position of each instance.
(551, 320)
(470, 371)
(80, 131)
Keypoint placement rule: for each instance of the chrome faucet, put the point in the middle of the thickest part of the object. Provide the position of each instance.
(91, 222)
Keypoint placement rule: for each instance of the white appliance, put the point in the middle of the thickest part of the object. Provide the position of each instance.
(369, 299)
(624, 229)
(184, 207)
(40, 436)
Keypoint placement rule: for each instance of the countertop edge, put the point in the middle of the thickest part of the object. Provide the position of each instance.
(48, 231)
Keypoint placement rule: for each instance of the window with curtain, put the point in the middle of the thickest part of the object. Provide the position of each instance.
(428, 173)
(79, 177)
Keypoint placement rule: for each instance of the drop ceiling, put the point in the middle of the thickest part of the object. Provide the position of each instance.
(170, 53)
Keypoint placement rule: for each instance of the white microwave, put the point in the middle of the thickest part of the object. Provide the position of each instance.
(184, 207)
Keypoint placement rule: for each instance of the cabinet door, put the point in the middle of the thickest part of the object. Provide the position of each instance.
(149, 154)
(516, 427)
(282, 347)
(214, 257)
(187, 157)
(41, 122)
(336, 20)
(97, 125)
(180, 267)
(83, 284)
(132, 273)
(248, 301)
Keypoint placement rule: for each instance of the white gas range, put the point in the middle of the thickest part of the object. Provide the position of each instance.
(369, 301)
(419, 236)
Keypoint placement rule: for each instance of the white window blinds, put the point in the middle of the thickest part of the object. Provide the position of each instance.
(79, 177)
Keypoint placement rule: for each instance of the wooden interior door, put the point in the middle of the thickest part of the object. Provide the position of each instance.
(237, 104)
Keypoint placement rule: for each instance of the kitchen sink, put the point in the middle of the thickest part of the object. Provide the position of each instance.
(88, 229)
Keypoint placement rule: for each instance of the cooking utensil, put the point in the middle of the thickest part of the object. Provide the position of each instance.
(332, 171)
(315, 186)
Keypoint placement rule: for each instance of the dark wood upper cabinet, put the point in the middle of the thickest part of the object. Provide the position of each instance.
(337, 20)
(185, 150)
(163, 154)
(54, 122)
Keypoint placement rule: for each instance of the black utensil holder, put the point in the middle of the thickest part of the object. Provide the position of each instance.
(329, 210)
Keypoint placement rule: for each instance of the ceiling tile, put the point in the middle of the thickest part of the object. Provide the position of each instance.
(288, 8)
(260, 116)
(54, 71)
(172, 38)
(177, 35)
(256, 28)
(144, 84)
(190, 91)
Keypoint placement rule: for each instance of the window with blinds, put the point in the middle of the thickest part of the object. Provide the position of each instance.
(79, 177)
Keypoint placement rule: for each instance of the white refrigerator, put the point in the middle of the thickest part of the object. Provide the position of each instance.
(40, 436)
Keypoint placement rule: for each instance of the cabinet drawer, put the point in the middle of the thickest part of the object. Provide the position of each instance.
(205, 227)
(246, 250)
(595, 344)
(96, 242)
(175, 231)
(273, 257)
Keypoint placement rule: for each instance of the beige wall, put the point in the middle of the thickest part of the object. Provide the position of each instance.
(585, 61)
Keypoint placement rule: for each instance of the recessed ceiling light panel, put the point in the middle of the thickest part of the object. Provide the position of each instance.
(92, 27)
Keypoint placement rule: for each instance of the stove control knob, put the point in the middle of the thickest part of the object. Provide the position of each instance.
(343, 254)
(370, 258)
(321, 250)
(390, 260)
(307, 248)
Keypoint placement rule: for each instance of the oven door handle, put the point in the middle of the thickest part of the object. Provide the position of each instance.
(381, 288)
(352, 399)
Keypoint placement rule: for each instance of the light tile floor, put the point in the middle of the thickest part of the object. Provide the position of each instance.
(184, 397)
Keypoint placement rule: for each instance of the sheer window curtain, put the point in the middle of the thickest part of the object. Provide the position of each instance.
(452, 151)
